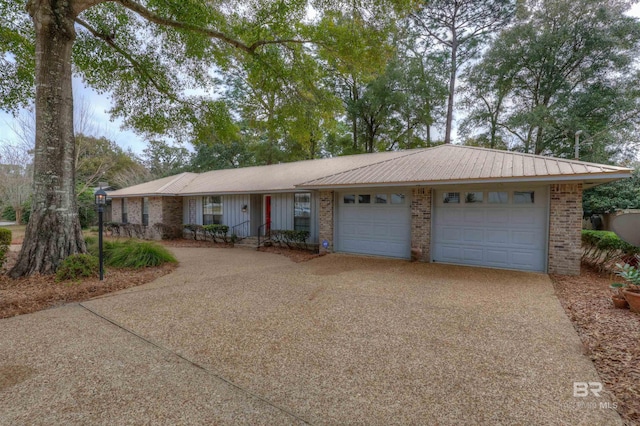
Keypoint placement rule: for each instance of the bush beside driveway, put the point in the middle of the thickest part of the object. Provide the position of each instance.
(340, 339)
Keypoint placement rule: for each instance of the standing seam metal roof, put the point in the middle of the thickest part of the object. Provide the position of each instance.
(444, 163)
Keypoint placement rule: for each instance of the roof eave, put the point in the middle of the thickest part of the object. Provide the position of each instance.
(607, 177)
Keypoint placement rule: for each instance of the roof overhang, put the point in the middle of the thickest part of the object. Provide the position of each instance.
(589, 180)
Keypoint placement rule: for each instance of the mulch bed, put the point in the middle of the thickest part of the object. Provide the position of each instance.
(611, 336)
(35, 293)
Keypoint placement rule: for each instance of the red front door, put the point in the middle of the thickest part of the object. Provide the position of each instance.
(267, 214)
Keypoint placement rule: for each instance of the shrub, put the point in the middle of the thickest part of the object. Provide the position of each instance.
(603, 248)
(5, 242)
(9, 213)
(135, 254)
(216, 231)
(290, 238)
(78, 266)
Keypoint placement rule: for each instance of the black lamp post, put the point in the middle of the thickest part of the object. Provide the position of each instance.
(101, 201)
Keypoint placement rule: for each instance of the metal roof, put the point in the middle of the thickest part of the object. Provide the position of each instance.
(171, 185)
(464, 164)
(438, 165)
(271, 178)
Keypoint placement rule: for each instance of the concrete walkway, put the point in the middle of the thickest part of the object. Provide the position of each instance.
(242, 337)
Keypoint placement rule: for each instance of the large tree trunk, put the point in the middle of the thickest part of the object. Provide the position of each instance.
(54, 230)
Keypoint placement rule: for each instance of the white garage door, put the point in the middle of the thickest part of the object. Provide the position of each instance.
(374, 222)
(496, 228)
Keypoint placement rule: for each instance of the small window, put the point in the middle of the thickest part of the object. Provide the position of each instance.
(302, 212)
(211, 210)
(381, 198)
(473, 197)
(397, 198)
(496, 197)
(451, 197)
(125, 211)
(145, 211)
(523, 197)
(349, 199)
(364, 199)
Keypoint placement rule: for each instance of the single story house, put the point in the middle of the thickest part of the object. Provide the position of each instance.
(450, 203)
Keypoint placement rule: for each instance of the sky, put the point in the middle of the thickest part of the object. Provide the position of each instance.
(101, 122)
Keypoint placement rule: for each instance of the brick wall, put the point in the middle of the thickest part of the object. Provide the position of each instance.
(155, 210)
(565, 224)
(116, 210)
(326, 219)
(421, 224)
(134, 208)
(172, 211)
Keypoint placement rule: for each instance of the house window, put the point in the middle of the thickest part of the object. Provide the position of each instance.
(302, 212)
(451, 197)
(125, 211)
(473, 197)
(364, 199)
(145, 211)
(397, 198)
(381, 198)
(211, 210)
(349, 199)
(523, 197)
(498, 197)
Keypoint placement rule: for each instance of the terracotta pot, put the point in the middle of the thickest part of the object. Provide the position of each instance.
(633, 298)
(620, 302)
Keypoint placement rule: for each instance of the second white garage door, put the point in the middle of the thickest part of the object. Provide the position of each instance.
(496, 228)
(374, 222)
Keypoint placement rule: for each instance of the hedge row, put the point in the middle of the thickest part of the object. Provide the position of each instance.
(292, 239)
(604, 249)
(215, 232)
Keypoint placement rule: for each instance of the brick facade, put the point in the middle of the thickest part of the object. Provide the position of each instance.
(116, 210)
(325, 216)
(421, 224)
(565, 224)
(134, 210)
(172, 211)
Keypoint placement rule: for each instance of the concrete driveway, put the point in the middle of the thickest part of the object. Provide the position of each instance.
(237, 336)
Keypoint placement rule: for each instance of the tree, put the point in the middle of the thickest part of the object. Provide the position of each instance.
(622, 194)
(562, 66)
(15, 176)
(461, 27)
(145, 54)
(162, 159)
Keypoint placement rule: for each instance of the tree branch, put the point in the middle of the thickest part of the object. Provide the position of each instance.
(107, 39)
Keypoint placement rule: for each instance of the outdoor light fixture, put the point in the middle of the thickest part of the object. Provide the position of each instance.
(101, 201)
(244, 208)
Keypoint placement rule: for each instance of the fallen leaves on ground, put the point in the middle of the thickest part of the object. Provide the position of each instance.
(611, 336)
(38, 292)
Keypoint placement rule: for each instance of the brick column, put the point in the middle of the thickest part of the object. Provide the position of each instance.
(421, 224)
(325, 216)
(565, 224)
(116, 210)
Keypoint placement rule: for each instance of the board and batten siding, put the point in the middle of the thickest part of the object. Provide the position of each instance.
(232, 213)
(282, 207)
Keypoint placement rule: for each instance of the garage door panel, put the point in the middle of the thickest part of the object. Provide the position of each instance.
(473, 235)
(472, 254)
(497, 235)
(374, 229)
(497, 257)
(498, 217)
(475, 216)
(450, 235)
(451, 216)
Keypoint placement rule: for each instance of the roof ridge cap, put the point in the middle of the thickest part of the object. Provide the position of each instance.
(172, 181)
